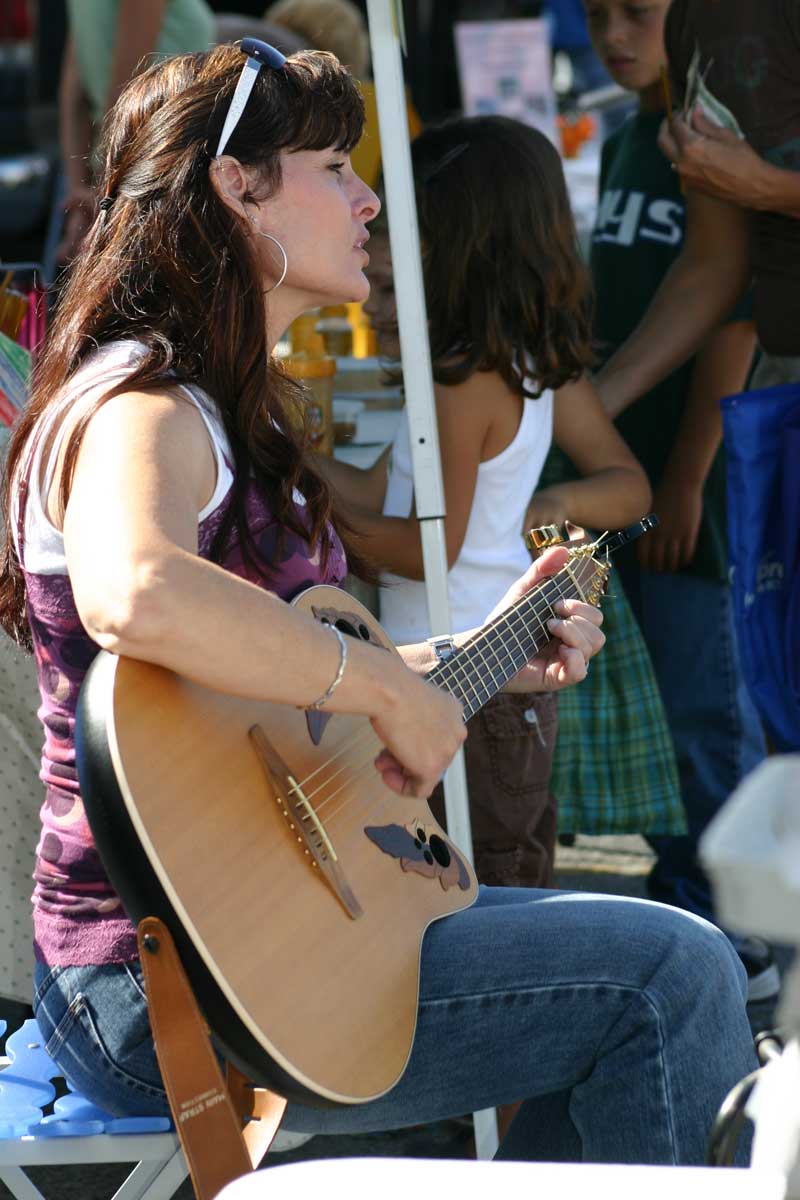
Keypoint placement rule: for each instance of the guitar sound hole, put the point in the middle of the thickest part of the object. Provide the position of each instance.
(346, 627)
(439, 850)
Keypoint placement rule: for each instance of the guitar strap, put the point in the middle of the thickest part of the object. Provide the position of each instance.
(208, 1116)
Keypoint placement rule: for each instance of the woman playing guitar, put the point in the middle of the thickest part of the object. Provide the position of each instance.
(159, 506)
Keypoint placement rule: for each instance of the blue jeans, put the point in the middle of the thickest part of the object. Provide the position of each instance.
(687, 623)
(620, 1022)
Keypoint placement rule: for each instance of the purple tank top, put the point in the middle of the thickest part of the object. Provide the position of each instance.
(78, 918)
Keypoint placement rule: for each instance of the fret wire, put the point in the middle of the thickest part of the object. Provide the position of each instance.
(512, 625)
(514, 614)
(542, 593)
(469, 686)
(459, 692)
(510, 666)
(492, 679)
(480, 693)
(490, 644)
(517, 617)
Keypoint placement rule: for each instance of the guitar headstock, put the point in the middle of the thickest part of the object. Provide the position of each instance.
(588, 572)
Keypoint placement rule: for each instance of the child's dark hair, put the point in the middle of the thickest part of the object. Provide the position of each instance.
(504, 281)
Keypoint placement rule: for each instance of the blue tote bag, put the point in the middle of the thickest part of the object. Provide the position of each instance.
(762, 445)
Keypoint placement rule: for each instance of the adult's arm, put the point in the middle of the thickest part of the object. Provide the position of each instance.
(75, 124)
(138, 30)
(144, 471)
(702, 286)
(715, 161)
(75, 129)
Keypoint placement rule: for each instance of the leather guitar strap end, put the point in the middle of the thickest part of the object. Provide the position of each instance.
(260, 1110)
(204, 1115)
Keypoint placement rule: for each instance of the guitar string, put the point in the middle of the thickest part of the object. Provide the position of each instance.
(372, 806)
(355, 739)
(366, 733)
(511, 616)
(353, 742)
(342, 769)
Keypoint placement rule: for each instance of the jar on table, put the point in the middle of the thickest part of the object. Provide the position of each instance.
(303, 335)
(316, 373)
(335, 329)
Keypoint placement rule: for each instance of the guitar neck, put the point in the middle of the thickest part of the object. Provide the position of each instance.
(483, 666)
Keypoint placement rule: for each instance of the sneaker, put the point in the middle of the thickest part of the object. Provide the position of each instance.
(763, 977)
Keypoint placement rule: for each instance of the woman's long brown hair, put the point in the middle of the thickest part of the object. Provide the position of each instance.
(505, 287)
(169, 265)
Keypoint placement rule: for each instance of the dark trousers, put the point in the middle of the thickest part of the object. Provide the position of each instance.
(509, 751)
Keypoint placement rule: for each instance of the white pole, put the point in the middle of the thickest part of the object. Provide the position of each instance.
(385, 29)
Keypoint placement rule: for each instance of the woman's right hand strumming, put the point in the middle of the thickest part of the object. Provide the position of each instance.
(421, 728)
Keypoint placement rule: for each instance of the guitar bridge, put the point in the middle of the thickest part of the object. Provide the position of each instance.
(304, 822)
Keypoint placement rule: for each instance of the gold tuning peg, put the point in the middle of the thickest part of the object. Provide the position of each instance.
(540, 539)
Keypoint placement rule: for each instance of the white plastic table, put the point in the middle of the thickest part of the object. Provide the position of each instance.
(399, 1178)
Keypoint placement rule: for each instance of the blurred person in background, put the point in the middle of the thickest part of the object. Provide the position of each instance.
(107, 42)
(741, 175)
(742, 180)
(570, 36)
(677, 578)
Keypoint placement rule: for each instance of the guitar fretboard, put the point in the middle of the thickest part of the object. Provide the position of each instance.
(486, 663)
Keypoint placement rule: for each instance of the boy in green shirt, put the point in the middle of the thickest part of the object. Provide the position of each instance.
(676, 579)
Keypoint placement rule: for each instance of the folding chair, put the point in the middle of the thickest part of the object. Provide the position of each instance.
(76, 1131)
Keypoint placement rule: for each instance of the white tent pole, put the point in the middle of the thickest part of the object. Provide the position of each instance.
(413, 325)
(385, 24)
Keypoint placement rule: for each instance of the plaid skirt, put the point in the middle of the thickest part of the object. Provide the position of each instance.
(614, 768)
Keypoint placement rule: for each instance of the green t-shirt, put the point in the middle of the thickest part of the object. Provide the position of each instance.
(637, 236)
(188, 26)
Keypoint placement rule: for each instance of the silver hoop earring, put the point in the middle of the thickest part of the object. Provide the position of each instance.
(283, 253)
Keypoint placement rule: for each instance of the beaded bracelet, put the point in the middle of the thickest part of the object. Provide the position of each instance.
(337, 679)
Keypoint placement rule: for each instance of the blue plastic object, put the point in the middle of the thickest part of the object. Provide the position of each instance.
(762, 446)
(26, 1088)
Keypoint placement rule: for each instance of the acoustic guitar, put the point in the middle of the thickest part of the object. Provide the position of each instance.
(296, 885)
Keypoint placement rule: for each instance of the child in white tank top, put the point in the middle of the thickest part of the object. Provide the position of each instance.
(508, 309)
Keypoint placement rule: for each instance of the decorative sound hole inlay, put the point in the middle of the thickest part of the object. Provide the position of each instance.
(352, 625)
(421, 850)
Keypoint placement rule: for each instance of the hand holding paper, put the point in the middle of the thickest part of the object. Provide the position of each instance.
(715, 160)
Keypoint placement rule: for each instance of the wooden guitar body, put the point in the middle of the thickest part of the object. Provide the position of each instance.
(296, 885)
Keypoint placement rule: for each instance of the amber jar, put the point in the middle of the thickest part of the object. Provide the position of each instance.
(303, 335)
(335, 329)
(316, 372)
